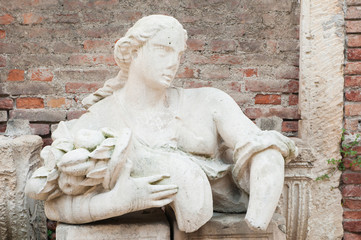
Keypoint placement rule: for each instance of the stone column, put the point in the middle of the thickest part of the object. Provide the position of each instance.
(321, 109)
(20, 216)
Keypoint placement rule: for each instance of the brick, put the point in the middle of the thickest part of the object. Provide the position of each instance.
(287, 72)
(42, 74)
(98, 45)
(6, 103)
(353, 2)
(351, 177)
(250, 72)
(353, 26)
(353, 95)
(30, 88)
(247, 72)
(6, 19)
(95, 17)
(82, 87)
(352, 226)
(267, 99)
(352, 214)
(354, 40)
(195, 44)
(66, 18)
(3, 127)
(197, 84)
(287, 46)
(2, 34)
(87, 75)
(351, 236)
(29, 103)
(74, 114)
(186, 72)
(57, 102)
(16, 75)
(40, 128)
(292, 100)
(352, 109)
(32, 18)
(353, 68)
(84, 60)
(351, 124)
(2, 61)
(223, 45)
(272, 86)
(10, 48)
(351, 191)
(75, 4)
(289, 126)
(354, 54)
(235, 86)
(353, 13)
(62, 47)
(352, 81)
(37, 115)
(282, 112)
(215, 72)
(47, 142)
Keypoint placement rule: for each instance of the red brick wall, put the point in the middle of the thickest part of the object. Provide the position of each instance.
(351, 178)
(54, 52)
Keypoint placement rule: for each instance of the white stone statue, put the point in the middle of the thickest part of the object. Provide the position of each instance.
(147, 144)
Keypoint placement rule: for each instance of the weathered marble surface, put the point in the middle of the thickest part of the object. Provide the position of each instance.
(20, 217)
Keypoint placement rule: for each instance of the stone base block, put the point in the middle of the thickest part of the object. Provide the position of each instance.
(135, 226)
(232, 227)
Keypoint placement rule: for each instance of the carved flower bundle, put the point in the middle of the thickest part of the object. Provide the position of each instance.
(76, 165)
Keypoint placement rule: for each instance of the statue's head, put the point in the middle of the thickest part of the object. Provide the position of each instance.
(134, 43)
(143, 30)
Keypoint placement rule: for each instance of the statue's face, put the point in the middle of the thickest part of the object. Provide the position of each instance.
(158, 60)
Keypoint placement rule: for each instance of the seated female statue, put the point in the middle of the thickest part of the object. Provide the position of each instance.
(192, 149)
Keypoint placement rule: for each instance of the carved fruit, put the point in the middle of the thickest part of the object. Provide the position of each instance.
(88, 139)
(71, 185)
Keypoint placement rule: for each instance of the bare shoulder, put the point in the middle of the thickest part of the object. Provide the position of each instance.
(208, 95)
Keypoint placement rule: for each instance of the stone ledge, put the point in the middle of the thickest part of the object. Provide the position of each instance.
(232, 227)
(134, 226)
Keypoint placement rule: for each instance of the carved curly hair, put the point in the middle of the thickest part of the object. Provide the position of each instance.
(125, 47)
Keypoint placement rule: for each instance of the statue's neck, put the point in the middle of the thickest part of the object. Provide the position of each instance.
(138, 95)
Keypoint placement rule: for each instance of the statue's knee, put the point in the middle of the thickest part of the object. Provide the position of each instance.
(270, 158)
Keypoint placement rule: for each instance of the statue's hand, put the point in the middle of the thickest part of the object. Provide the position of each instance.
(136, 194)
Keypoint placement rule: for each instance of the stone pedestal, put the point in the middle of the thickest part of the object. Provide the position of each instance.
(232, 227)
(20, 216)
(134, 226)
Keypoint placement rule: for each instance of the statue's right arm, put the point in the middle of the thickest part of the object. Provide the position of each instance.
(128, 195)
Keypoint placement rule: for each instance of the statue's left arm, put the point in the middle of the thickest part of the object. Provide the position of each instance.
(259, 158)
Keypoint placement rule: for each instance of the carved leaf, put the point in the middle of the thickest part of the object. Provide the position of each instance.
(53, 175)
(108, 133)
(97, 172)
(63, 144)
(91, 181)
(102, 152)
(55, 194)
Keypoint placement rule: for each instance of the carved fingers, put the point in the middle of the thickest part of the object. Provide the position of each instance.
(156, 178)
